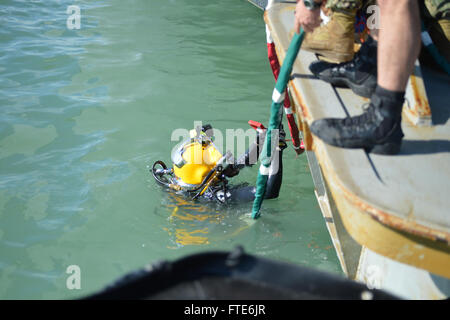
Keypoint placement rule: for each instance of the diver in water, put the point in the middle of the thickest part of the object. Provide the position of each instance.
(200, 171)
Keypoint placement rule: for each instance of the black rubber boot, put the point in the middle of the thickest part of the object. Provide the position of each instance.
(378, 130)
(359, 74)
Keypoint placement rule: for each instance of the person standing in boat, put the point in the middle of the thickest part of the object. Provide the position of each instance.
(360, 73)
(335, 40)
(378, 129)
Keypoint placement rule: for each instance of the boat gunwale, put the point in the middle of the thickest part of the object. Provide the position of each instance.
(384, 217)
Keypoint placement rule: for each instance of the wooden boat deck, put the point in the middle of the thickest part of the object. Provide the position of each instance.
(397, 205)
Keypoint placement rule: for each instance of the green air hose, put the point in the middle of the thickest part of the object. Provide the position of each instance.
(274, 122)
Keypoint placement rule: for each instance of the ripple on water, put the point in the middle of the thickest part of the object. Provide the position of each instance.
(85, 112)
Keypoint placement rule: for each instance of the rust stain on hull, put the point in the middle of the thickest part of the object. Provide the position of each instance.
(422, 107)
(304, 110)
(418, 110)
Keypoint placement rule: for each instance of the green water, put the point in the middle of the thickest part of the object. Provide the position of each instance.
(85, 112)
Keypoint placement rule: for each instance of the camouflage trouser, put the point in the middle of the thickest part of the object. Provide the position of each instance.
(436, 16)
(437, 9)
(337, 5)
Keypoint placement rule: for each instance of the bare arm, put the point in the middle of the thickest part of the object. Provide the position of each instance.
(305, 18)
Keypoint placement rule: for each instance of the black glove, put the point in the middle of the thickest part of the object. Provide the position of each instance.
(231, 171)
(208, 130)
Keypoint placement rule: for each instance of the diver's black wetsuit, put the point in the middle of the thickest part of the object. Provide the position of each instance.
(244, 192)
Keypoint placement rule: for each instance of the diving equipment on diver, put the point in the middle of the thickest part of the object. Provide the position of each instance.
(199, 168)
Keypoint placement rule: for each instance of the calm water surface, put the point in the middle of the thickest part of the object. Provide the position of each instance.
(85, 112)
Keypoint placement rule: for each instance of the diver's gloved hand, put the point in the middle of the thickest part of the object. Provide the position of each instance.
(231, 171)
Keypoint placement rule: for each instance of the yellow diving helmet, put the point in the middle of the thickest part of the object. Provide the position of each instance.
(197, 165)
(195, 158)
